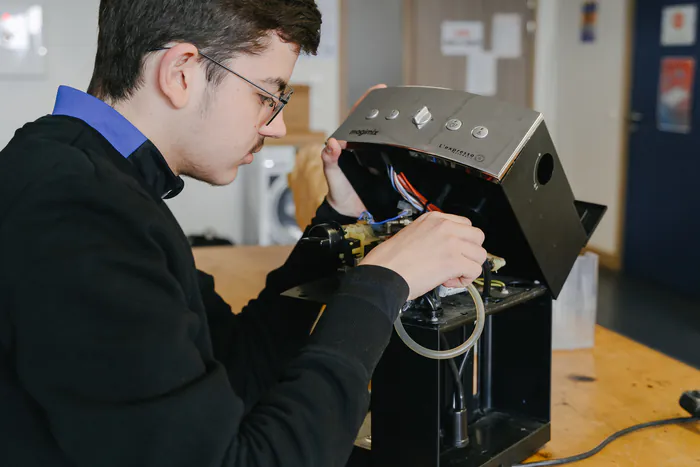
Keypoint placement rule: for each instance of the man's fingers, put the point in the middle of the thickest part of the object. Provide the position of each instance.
(471, 235)
(476, 255)
(441, 217)
(459, 282)
(333, 149)
(473, 268)
(338, 143)
(455, 283)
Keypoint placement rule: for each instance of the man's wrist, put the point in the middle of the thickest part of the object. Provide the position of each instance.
(327, 213)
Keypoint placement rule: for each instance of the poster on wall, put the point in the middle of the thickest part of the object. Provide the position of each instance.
(461, 37)
(678, 25)
(589, 21)
(506, 35)
(674, 108)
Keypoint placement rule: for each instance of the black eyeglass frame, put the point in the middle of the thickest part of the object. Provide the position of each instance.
(283, 99)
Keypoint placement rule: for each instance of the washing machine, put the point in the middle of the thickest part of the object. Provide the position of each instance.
(269, 214)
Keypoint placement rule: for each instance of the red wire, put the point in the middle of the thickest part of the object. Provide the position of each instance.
(407, 185)
(412, 190)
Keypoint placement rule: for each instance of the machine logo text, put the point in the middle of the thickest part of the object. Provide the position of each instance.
(462, 152)
(364, 132)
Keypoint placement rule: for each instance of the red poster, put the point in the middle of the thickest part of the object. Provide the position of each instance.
(676, 94)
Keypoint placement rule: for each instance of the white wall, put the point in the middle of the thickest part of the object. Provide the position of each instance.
(70, 34)
(374, 44)
(580, 88)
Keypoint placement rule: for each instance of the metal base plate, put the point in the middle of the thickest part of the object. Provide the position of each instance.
(495, 440)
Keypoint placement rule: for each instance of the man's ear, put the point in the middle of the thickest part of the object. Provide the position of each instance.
(178, 71)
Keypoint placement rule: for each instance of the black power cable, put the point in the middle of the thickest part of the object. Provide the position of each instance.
(460, 396)
(464, 362)
(610, 439)
(486, 269)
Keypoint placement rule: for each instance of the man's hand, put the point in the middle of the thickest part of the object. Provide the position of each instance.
(435, 249)
(341, 195)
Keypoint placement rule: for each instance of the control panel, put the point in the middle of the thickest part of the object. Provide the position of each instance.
(467, 129)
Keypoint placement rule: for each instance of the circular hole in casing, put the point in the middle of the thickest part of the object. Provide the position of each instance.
(544, 169)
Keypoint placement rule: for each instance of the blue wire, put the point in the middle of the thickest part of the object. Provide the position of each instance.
(403, 214)
(391, 177)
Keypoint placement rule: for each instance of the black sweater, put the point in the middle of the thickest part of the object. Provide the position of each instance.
(116, 351)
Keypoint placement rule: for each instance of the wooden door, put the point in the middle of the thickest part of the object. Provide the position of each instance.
(424, 61)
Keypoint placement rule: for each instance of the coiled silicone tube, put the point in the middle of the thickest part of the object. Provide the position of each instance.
(459, 350)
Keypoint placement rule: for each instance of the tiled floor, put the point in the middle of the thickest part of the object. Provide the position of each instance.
(650, 315)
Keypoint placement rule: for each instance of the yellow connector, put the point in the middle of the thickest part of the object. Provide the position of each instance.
(362, 232)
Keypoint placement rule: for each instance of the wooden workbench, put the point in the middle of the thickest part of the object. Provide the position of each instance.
(595, 392)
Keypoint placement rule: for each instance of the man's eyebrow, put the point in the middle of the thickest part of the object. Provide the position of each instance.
(279, 82)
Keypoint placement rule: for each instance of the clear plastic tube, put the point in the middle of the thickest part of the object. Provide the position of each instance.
(459, 350)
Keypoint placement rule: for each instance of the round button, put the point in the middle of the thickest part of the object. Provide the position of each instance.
(454, 124)
(393, 115)
(372, 114)
(480, 132)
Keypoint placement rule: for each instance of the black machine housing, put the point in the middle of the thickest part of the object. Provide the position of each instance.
(494, 163)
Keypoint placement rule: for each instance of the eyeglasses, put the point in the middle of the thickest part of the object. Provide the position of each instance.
(277, 103)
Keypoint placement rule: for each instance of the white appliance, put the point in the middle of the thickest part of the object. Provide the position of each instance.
(269, 212)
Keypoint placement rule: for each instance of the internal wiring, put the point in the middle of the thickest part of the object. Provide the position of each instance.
(401, 189)
(410, 198)
(366, 216)
(463, 365)
(494, 282)
(408, 192)
(460, 399)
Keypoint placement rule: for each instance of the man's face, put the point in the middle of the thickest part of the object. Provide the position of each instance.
(231, 123)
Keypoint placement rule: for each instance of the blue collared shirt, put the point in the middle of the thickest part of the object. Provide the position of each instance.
(123, 136)
(119, 131)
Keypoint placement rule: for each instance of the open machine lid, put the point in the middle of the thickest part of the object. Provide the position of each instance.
(497, 159)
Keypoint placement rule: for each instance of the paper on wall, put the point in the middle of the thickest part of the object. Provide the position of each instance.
(482, 75)
(506, 35)
(461, 37)
(678, 25)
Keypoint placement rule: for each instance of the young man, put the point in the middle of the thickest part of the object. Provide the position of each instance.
(114, 349)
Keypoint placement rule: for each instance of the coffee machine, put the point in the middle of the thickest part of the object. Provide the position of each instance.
(465, 380)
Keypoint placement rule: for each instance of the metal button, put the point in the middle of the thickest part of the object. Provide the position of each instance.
(454, 124)
(422, 117)
(480, 132)
(393, 115)
(372, 114)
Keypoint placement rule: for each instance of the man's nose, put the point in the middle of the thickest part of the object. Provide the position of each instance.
(276, 129)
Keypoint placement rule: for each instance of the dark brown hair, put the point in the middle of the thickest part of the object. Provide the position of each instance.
(130, 29)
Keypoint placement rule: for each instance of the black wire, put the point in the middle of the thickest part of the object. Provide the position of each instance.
(443, 194)
(486, 268)
(610, 439)
(464, 360)
(431, 301)
(456, 376)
